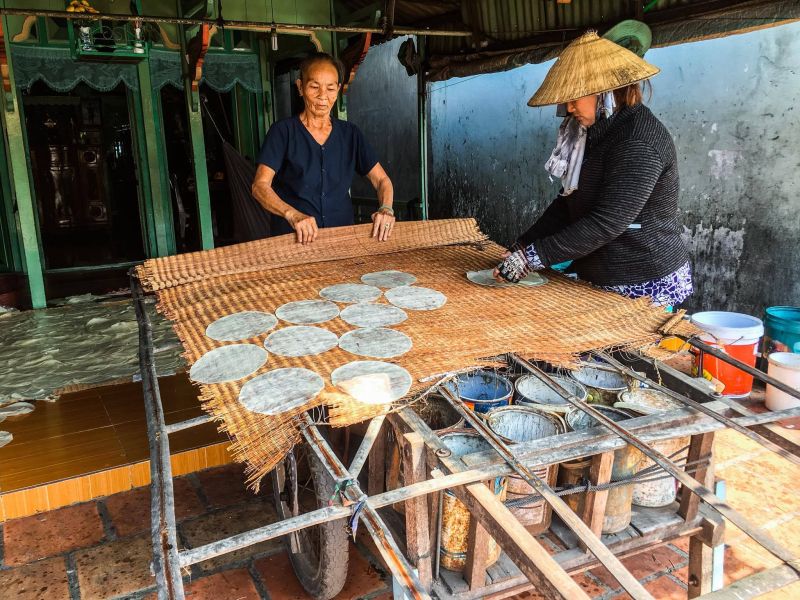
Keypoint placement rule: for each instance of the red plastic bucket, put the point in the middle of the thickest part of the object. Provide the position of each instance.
(739, 336)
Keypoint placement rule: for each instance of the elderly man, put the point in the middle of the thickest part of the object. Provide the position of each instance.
(307, 162)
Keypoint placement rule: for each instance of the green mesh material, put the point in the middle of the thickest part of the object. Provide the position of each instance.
(221, 70)
(57, 68)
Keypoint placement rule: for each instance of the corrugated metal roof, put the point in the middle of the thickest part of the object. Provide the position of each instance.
(511, 32)
(411, 12)
(503, 21)
(521, 19)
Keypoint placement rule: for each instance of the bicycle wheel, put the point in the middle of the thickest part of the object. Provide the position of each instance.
(319, 554)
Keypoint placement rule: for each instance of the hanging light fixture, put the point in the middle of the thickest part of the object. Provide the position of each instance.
(274, 38)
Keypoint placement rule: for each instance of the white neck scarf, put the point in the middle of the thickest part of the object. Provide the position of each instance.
(567, 157)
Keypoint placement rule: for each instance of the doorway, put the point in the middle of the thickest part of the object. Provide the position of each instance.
(84, 169)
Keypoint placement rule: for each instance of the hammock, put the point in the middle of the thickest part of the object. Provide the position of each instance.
(250, 220)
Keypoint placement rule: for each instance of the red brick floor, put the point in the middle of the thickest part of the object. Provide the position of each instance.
(101, 549)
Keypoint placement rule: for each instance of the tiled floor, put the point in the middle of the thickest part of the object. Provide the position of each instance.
(93, 430)
(100, 549)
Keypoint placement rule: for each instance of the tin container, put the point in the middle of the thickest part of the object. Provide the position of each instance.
(532, 391)
(648, 402)
(482, 390)
(454, 534)
(524, 424)
(603, 386)
(626, 460)
(441, 417)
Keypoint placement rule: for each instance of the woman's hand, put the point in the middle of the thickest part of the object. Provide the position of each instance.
(382, 224)
(513, 268)
(305, 227)
(496, 272)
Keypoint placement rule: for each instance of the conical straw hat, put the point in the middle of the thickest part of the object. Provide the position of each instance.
(590, 65)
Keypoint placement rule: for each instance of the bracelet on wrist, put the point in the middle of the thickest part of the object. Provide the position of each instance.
(386, 209)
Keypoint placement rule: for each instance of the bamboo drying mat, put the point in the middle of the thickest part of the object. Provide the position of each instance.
(554, 322)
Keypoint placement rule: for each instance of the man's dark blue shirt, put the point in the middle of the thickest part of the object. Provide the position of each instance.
(312, 178)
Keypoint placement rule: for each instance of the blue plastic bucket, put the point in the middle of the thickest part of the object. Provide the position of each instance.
(482, 390)
(781, 330)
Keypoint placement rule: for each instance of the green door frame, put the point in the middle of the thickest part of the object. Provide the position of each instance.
(194, 117)
(23, 192)
(10, 259)
(160, 208)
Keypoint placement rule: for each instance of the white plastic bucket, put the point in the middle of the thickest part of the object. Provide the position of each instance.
(785, 367)
(739, 336)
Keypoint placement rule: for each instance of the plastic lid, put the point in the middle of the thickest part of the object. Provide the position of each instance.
(786, 360)
(729, 325)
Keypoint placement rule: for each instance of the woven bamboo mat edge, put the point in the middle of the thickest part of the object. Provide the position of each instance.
(335, 243)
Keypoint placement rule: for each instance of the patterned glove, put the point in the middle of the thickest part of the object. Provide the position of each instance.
(515, 267)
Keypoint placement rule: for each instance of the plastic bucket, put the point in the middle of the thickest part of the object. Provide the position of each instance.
(454, 536)
(781, 330)
(626, 460)
(738, 335)
(532, 391)
(482, 390)
(785, 367)
(603, 385)
(523, 424)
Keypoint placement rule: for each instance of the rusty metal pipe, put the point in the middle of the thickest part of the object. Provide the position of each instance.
(760, 375)
(749, 433)
(691, 484)
(388, 548)
(592, 542)
(166, 563)
(248, 25)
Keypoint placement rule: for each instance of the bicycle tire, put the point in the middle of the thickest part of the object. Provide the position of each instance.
(323, 572)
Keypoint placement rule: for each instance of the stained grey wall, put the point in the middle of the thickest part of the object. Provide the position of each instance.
(733, 107)
(382, 101)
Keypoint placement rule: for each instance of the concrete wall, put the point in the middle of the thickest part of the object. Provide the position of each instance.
(382, 101)
(733, 106)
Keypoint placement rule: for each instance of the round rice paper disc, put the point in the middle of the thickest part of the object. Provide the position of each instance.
(351, 293)
(399, 379)
(300, 340)
(241, 326)
(388, 279)
(280, 390)
(375, 342)
(485, 278)
(412, 297)
(305, 312)
(373, 315)
(228, 363)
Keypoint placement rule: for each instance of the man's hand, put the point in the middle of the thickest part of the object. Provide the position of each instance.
(305, 227)
(382, 225)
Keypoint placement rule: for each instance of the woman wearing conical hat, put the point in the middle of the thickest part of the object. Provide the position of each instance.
(616, 214)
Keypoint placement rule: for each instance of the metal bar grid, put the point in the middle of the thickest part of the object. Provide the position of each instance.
(168, 561)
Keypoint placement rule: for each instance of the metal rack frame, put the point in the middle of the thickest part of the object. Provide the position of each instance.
(430, 468)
